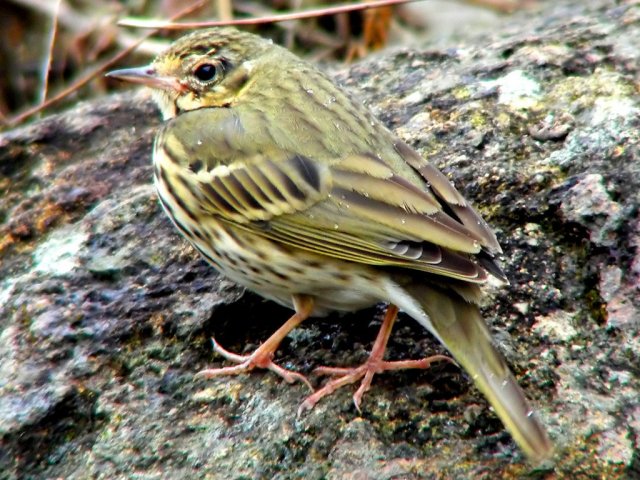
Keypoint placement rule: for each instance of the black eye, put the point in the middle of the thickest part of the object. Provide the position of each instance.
(205, 72)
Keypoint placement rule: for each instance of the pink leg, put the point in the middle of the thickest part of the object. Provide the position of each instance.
(366, 371)
(262, 357)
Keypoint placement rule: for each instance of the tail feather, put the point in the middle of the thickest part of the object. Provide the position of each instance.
(461, 329)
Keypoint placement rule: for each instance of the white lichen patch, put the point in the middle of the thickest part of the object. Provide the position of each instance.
(6, 289)
(58, 255)
(516, 89)
(611, 112)
(557, 326)
(610, 282)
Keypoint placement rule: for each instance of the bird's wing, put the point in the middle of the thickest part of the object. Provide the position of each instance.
(354, 208)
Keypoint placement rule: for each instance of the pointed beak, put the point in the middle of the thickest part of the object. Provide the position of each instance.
(147, 76)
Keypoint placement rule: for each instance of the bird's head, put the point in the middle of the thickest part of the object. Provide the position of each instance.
(207, 68)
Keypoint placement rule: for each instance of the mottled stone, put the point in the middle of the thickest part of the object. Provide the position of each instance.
(106, 314)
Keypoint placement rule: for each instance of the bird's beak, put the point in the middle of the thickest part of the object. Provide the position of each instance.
(149, 77)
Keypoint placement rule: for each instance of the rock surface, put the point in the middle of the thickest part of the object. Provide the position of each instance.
(106, 313)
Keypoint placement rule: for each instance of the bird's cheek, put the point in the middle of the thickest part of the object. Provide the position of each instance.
(189, 101)
(218, 96)
(166, 103)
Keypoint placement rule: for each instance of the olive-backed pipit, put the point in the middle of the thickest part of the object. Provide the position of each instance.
(291, 188)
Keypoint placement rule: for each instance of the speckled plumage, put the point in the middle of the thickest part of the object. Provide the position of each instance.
(290, 187)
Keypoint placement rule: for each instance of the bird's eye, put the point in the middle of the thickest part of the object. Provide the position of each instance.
(205, 72)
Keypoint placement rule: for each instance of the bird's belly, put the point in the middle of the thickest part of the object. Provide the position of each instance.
(269, 268)
(277, 272)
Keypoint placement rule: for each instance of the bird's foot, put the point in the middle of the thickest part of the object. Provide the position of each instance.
(374, 364)
(366, 371)
(260, 358)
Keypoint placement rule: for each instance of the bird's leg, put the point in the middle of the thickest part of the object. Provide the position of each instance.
(374, 364)
(262, 357)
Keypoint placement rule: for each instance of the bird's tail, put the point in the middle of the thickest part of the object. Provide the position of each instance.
(463, 332)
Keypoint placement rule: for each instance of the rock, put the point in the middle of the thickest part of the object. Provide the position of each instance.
(106, 313)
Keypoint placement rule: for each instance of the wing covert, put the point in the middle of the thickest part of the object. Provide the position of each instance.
(263, 189)
(357, 207)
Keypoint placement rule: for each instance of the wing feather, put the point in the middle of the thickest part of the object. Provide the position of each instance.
(357, 207)
(435, 228)
(451, 198)
(393, 190)
(343, 246)
(263, 189)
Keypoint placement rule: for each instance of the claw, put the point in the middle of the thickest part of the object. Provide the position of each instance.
(366, 371)
(262, 357)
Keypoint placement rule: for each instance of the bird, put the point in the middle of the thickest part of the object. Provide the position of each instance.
(289, 186)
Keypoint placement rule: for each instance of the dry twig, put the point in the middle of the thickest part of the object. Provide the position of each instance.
(311, 13)
(46, 66)
(86, 78)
